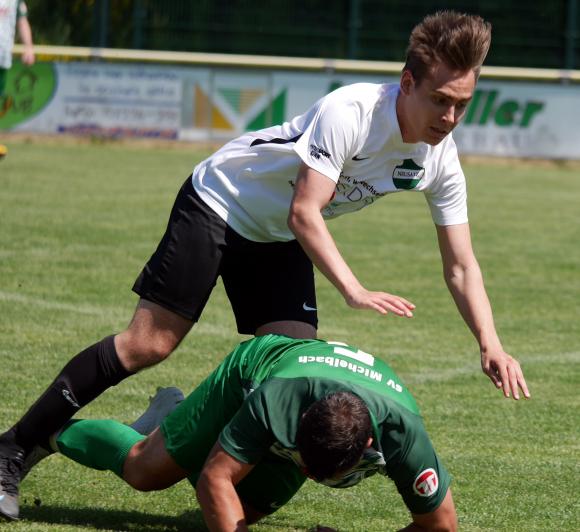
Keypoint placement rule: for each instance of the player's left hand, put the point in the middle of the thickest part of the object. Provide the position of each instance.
(505, 372)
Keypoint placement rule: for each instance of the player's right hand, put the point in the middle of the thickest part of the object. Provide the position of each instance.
(505, 372)
(381, 302)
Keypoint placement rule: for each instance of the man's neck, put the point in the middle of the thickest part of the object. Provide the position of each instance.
(401, 119)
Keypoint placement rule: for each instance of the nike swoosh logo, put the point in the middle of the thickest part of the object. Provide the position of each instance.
(306, 307)
(67, 395)
(357, 158)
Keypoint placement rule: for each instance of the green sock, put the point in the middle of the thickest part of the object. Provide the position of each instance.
(98, 443)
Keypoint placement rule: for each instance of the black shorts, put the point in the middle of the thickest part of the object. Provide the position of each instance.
(265, 282)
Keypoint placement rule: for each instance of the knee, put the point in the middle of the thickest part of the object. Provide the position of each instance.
(155, 347)
(135, 472)
(140, 349)
(137, 480)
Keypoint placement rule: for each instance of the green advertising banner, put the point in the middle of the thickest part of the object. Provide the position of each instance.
(28, 91)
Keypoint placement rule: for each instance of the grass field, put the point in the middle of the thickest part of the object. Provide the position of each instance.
(77, 222)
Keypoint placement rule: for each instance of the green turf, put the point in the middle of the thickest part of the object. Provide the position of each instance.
(77, 223)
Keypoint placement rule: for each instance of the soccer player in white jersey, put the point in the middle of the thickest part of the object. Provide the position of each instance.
(254, 213)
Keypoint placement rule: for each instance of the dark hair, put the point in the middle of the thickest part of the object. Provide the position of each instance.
(333, 433)
(459, 40)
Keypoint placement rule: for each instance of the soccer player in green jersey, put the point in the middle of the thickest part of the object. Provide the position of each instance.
(274, 412)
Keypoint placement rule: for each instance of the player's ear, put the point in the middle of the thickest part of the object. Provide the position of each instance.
(369, 443)
(407, 82)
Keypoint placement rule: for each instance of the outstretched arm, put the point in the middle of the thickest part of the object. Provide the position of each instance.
(219, 501)
(444, 519)
(465, 282)
(312, 193)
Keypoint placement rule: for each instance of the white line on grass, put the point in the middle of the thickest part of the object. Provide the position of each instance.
(439, 375)
(113, 313)
(38, 302)
(448, 374)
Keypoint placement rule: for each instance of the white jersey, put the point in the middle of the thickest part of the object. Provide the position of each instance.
(9, 11)
(352, 136)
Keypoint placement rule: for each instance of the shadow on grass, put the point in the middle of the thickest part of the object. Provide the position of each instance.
(124, 521)
(118, 520)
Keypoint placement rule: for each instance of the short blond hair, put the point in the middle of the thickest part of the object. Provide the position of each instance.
(458, 40)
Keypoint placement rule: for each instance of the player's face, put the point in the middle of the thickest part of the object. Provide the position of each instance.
(430, 110)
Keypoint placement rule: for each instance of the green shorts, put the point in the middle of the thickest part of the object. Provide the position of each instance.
(193, 428)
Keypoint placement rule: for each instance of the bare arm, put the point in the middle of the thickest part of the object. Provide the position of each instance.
(312, 193)
(25, 34)
(220, 504)
(465, 282)
(444, 519)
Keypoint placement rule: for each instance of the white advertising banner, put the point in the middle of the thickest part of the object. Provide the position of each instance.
(97, 99)
(118, 100)
(513, 119)
(522, 120)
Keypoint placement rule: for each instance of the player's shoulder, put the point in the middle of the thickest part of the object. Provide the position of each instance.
(361, 95)
(444, 155)
(450, 163)
(448, 145)
(353, 104)
(359, 90)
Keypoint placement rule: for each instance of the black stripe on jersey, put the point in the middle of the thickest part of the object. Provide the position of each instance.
(257, 142)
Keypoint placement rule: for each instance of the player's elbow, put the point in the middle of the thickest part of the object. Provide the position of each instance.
(304, 217)
(453, 275)
(447, 523)
(443, 519)
(297, 219)
(458, 273)
(446, 520)
(208, 484)
(292, 221)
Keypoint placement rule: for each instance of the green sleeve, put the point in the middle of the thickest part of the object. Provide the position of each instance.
(270, 414)
(247, 436)
(416, 470)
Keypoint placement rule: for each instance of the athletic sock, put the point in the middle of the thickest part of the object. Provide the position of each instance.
(99, 444)
(85, 377)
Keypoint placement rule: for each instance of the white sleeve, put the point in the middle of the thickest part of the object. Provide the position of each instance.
(447, 195)
(330, 135)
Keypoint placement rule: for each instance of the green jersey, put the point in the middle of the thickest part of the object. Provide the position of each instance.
(281, 377)
(252, 403)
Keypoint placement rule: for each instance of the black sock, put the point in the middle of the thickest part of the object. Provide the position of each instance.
(85, 377)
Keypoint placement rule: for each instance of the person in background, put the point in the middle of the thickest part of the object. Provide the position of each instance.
(13, 15)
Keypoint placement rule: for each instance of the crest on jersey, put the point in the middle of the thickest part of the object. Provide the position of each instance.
(426, 483)
(406, 176)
